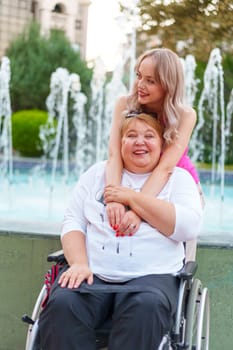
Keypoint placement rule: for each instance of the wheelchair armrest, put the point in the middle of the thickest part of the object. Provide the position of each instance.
(57, 257)
(188, 270)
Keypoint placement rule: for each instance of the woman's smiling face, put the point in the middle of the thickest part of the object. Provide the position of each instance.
(150, 92)
(140, 146)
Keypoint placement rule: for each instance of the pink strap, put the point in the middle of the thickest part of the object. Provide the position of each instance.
(186, 164)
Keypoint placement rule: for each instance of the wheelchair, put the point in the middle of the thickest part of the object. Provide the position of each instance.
(191, 325)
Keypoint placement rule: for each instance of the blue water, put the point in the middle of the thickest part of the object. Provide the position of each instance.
(30, 201)
(218, 214)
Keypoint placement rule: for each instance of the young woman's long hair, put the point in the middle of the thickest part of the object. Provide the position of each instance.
(168, 72)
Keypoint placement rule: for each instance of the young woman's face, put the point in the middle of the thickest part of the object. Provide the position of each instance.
(150, 93)
(140, 147)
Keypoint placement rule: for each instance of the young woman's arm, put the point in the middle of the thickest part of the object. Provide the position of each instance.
(180, 215)
(171, 154)
(116, 211)
(114, 163)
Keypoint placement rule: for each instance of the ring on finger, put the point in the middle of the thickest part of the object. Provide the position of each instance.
(132, 226)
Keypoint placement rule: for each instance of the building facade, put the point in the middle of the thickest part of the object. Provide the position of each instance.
(71, 16)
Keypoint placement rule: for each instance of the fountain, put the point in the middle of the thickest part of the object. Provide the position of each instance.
(44, 195)
(229, 113)
(129, 21)
(6, 171)
(212, 101)
(62, 87)
(114, 89)
(191, 82)
(96, 110)
(79, 121)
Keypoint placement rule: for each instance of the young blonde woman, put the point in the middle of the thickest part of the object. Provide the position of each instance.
(159, 90)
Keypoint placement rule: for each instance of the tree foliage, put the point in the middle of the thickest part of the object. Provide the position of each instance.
(188, 26)
(192, 27)
(33, 59)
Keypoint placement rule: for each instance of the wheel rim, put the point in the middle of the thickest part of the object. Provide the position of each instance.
(33, 329)
(192, 315)
(203, 322)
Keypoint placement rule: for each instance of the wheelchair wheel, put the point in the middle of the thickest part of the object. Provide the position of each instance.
(192, 315)
(203, 322)
(32, 342)
(197, 318)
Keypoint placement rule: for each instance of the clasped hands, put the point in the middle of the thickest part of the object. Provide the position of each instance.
(124, 222)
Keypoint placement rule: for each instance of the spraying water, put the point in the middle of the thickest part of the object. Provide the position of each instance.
(229, 114)
(96, 111)
(55, 133)
(129, 22)
(80, 122)
(114, 89)
(6, 168)
(191, 82)
(211, 103)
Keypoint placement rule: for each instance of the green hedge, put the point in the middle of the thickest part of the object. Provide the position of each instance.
(25, 132)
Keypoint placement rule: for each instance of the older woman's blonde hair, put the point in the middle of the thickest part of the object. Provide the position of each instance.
(145, 117)
(168, 72)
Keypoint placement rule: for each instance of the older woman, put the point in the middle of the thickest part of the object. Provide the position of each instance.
(129, 276)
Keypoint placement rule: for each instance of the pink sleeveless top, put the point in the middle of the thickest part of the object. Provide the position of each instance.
(186, 164)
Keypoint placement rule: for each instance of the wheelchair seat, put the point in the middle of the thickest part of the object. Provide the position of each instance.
(191, 325)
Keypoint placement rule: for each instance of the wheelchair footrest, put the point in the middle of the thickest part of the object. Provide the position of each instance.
(27, 319)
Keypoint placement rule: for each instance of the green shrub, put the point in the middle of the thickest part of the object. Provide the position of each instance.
(25, 132)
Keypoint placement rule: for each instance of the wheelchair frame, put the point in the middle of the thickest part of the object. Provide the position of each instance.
(191, 326)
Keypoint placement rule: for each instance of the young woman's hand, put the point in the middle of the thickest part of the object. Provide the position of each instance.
(75, 275)
(118, 194)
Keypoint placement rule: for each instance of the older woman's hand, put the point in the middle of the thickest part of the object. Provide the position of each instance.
(115, 212)
(75, 275)
(130, 223)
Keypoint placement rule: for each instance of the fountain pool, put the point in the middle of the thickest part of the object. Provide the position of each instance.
(26, 206)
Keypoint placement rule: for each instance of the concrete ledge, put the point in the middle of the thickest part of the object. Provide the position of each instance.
(29, 227)
(23, 265)
(220, 240)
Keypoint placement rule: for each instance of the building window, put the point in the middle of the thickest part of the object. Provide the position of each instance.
(59, 8)
(34, 7)
(78, 24)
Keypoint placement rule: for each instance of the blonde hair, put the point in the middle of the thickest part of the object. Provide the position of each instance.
(168, 72)
(145, 117)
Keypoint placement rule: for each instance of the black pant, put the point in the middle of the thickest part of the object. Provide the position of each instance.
(141, 309)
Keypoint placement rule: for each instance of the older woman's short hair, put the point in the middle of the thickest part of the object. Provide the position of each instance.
(147, 118)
